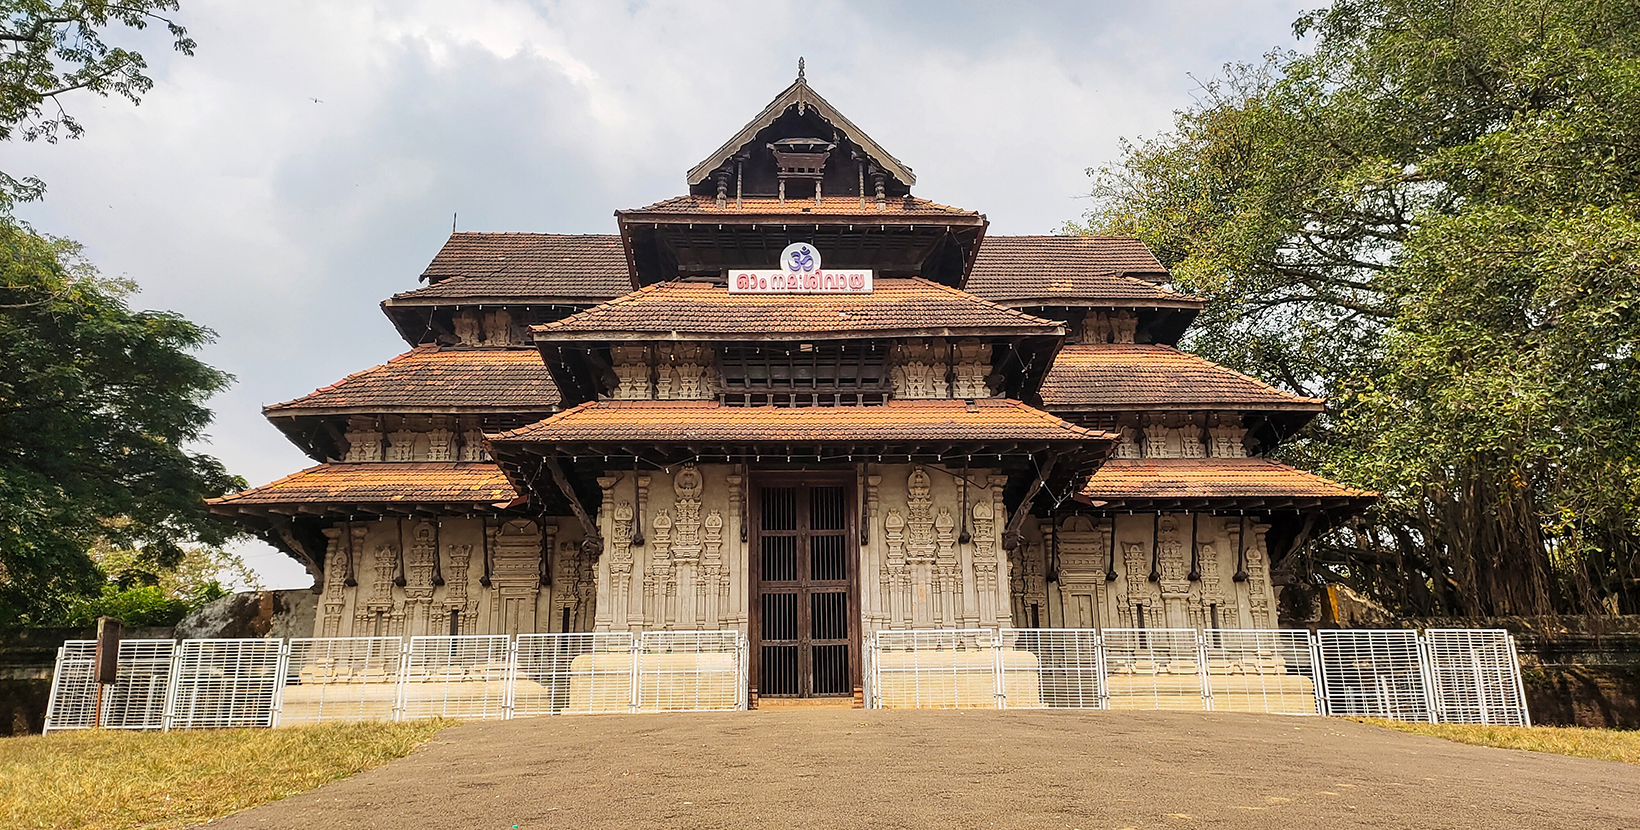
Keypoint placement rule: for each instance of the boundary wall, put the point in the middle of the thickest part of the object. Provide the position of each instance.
(1439, 676)
(255, 682)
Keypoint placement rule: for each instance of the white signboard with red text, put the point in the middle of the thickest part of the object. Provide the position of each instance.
(801, 274)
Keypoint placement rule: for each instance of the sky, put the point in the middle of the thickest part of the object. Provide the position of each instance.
(310, 158)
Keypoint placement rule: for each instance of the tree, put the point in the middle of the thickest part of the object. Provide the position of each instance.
(50, 49)
(1433, 218)
(98, 405)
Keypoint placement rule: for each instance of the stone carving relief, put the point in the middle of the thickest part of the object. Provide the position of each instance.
(364, 445)
(685, 373)
(456, 600)
(441, 445)
(1127, 446)
(1229, 441)
(1156, 436)
(687, 486)
(419, 566)
(335, 596)
(1190, 442)
(498, 328)
(472, 446)
(712, 587)
(973, 364)
(920, 543)
(919, 371)
(467, 328)
(516, 574)
(401, 445)
(660, 583)
(1109, 327)
(1136, 565)
(377, 616)
(632, 368)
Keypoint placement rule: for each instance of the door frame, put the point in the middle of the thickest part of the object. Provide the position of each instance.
(756, 481)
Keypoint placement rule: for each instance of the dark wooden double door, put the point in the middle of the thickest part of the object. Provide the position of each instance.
(805, 589)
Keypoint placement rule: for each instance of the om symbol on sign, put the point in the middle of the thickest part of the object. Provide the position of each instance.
(801, 258)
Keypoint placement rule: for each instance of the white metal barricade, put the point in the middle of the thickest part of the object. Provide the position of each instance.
(690, 671)
(952, 669)
(142, 684)
(1153, 668)
(340, 679)
(73, 699)
(1271, 671)
(1475, 676)
(1050, 668)
(573, 674)
(465, 677)
(224, 683)
(1375, 674)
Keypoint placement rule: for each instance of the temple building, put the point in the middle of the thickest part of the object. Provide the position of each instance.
(801, 402)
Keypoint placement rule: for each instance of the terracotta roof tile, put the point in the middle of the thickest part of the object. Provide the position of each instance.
(479, 482)
(1016, 269)
(698, 308)
(1183, 479)
(992, 419)
(1122, 376)
(829, 206)
(433, 378)
(524, 266)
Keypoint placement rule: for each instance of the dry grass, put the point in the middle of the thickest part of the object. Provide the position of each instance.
(1602, 744)
(111, 779)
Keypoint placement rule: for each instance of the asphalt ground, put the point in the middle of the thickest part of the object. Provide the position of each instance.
(877, 769)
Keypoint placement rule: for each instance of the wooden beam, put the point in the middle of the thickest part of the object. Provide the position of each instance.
(589, 528)
(1010, 536)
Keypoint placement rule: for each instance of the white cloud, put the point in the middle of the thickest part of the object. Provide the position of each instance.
(234, 198)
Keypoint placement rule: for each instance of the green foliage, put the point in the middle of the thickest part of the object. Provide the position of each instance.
(98, 404)
(49, 48)
(1432, 218)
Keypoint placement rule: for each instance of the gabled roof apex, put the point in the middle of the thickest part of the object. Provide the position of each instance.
(802, 96)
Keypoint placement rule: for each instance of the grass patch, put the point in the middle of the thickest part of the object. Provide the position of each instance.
(1601, 744)
(114, 779)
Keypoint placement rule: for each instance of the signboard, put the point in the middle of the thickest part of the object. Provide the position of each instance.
(801, 273)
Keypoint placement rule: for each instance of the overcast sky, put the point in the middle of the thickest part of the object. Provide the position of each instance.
(306, 163)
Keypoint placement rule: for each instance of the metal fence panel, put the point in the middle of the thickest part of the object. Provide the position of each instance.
(1376, 674)
(465, 677)
(573, 674)
(1271, 671)
(73, 699)
(1153, 668)
(225, 683)
(1476, 676)
(340, 679)
(952, 669)
(1050, 668)
(142, 684)
(691, 671)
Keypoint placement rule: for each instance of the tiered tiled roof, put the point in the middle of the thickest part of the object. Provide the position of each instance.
(707, 422)
(914, 307)
(434, 379)
(797, 206)
(1129, 376)
(1182, 482)
(520, 267)
(1117, 271)
(427, 482)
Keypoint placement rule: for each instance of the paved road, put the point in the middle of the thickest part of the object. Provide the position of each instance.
(859, 769)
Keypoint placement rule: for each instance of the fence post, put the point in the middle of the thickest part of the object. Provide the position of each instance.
(637, 673)
(1100, 673)
(1202, 672)
(508, 695)
(1000, 692)
(1426, 661)
(281, 675)
(1319, 674)
(399, 689)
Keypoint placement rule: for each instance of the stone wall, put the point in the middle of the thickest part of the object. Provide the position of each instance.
(1081, 559)
(415, 577)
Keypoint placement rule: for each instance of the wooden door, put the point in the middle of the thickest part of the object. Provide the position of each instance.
(806, 611)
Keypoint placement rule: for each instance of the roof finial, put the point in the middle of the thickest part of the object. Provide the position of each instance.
(800, 69)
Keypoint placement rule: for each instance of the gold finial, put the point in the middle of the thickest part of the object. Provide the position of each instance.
(799, 69)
